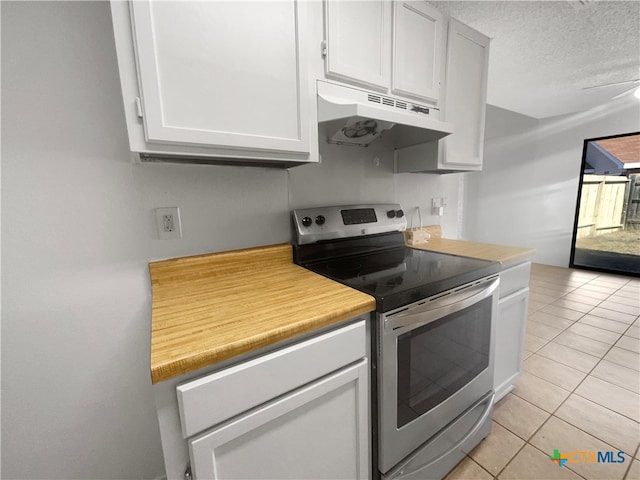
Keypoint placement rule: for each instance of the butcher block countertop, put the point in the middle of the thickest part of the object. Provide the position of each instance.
(209, 308)
(484, 251)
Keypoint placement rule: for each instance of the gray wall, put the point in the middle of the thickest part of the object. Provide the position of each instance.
(526, 194)
(78, 232)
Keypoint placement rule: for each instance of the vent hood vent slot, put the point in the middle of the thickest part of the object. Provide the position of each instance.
(350, 116)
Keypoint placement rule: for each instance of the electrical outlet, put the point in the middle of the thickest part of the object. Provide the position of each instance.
(438, 204)
(168, 225)
(168, 222)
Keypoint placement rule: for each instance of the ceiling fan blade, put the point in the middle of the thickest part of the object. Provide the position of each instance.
(629, 90)
(613, 84)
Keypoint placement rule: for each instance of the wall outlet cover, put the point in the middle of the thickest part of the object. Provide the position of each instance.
(168, 223)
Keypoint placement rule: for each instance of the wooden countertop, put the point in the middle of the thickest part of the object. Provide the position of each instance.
(484, 251)
(209, 308)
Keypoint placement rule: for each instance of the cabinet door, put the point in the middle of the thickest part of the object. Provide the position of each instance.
(224, 74)
(417, 50)
(358, 38)
(318, 431)
(510, 331)
(465, 97)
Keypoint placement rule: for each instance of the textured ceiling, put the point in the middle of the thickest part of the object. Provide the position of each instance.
(544, 53)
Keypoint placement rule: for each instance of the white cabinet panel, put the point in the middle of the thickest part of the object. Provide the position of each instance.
(219, 81)
(417, 47)
(305, 403)
(357, 41)
(465, 96)
(463, 104)
(214, 398)
(359, 38)
(318, 431)
(220, 73)
(514, 278)
(510, 331)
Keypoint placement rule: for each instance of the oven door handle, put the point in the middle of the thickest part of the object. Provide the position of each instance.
(427, 313)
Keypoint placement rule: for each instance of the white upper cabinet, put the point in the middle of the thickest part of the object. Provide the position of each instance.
(465, 97)
(357, 42)
(463, 104)
(417, 50)
(216, 79)
(391, 47)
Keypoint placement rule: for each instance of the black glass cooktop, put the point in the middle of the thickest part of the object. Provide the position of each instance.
(401, 275)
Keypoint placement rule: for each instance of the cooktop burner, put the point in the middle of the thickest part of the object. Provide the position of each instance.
(362, 246)
(403, 275)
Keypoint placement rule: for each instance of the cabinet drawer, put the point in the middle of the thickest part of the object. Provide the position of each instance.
(318, 431)
(514, 278)
(214, 398)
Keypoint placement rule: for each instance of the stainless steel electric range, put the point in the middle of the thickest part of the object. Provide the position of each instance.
(432, 334)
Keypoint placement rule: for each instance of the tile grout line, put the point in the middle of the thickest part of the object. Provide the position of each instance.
(471, 458)
(626, 473)
(577, 386)
(571, 392)
(620, 335)
(582, 381)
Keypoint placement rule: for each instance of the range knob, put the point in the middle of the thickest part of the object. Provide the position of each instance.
(399, 214)
(306, 221)
(391, 213)
(320, 220)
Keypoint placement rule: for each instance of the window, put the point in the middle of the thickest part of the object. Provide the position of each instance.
(606, 234)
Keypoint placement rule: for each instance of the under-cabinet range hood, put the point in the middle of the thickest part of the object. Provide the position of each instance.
(351, 116)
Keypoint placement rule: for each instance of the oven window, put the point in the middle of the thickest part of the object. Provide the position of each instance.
(438, 359)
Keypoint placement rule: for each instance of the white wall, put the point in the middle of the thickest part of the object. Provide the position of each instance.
(77, 235)
(349, 175)
(526, 194)
(78, 232)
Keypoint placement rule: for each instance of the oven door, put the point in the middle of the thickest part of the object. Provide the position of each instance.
(435, 362)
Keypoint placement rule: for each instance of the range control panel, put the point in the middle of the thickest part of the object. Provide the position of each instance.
(343, 221)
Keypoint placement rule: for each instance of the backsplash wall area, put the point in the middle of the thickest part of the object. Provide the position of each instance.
(352, 175)
(78, 233)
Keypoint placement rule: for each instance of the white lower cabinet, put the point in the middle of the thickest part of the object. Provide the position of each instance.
(512, 322)
(511, 326)
(296, 412)
(317, 431)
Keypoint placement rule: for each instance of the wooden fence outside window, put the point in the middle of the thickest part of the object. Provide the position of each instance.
(608, 203)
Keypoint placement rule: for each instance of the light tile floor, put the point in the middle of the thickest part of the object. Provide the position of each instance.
(580, 385)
